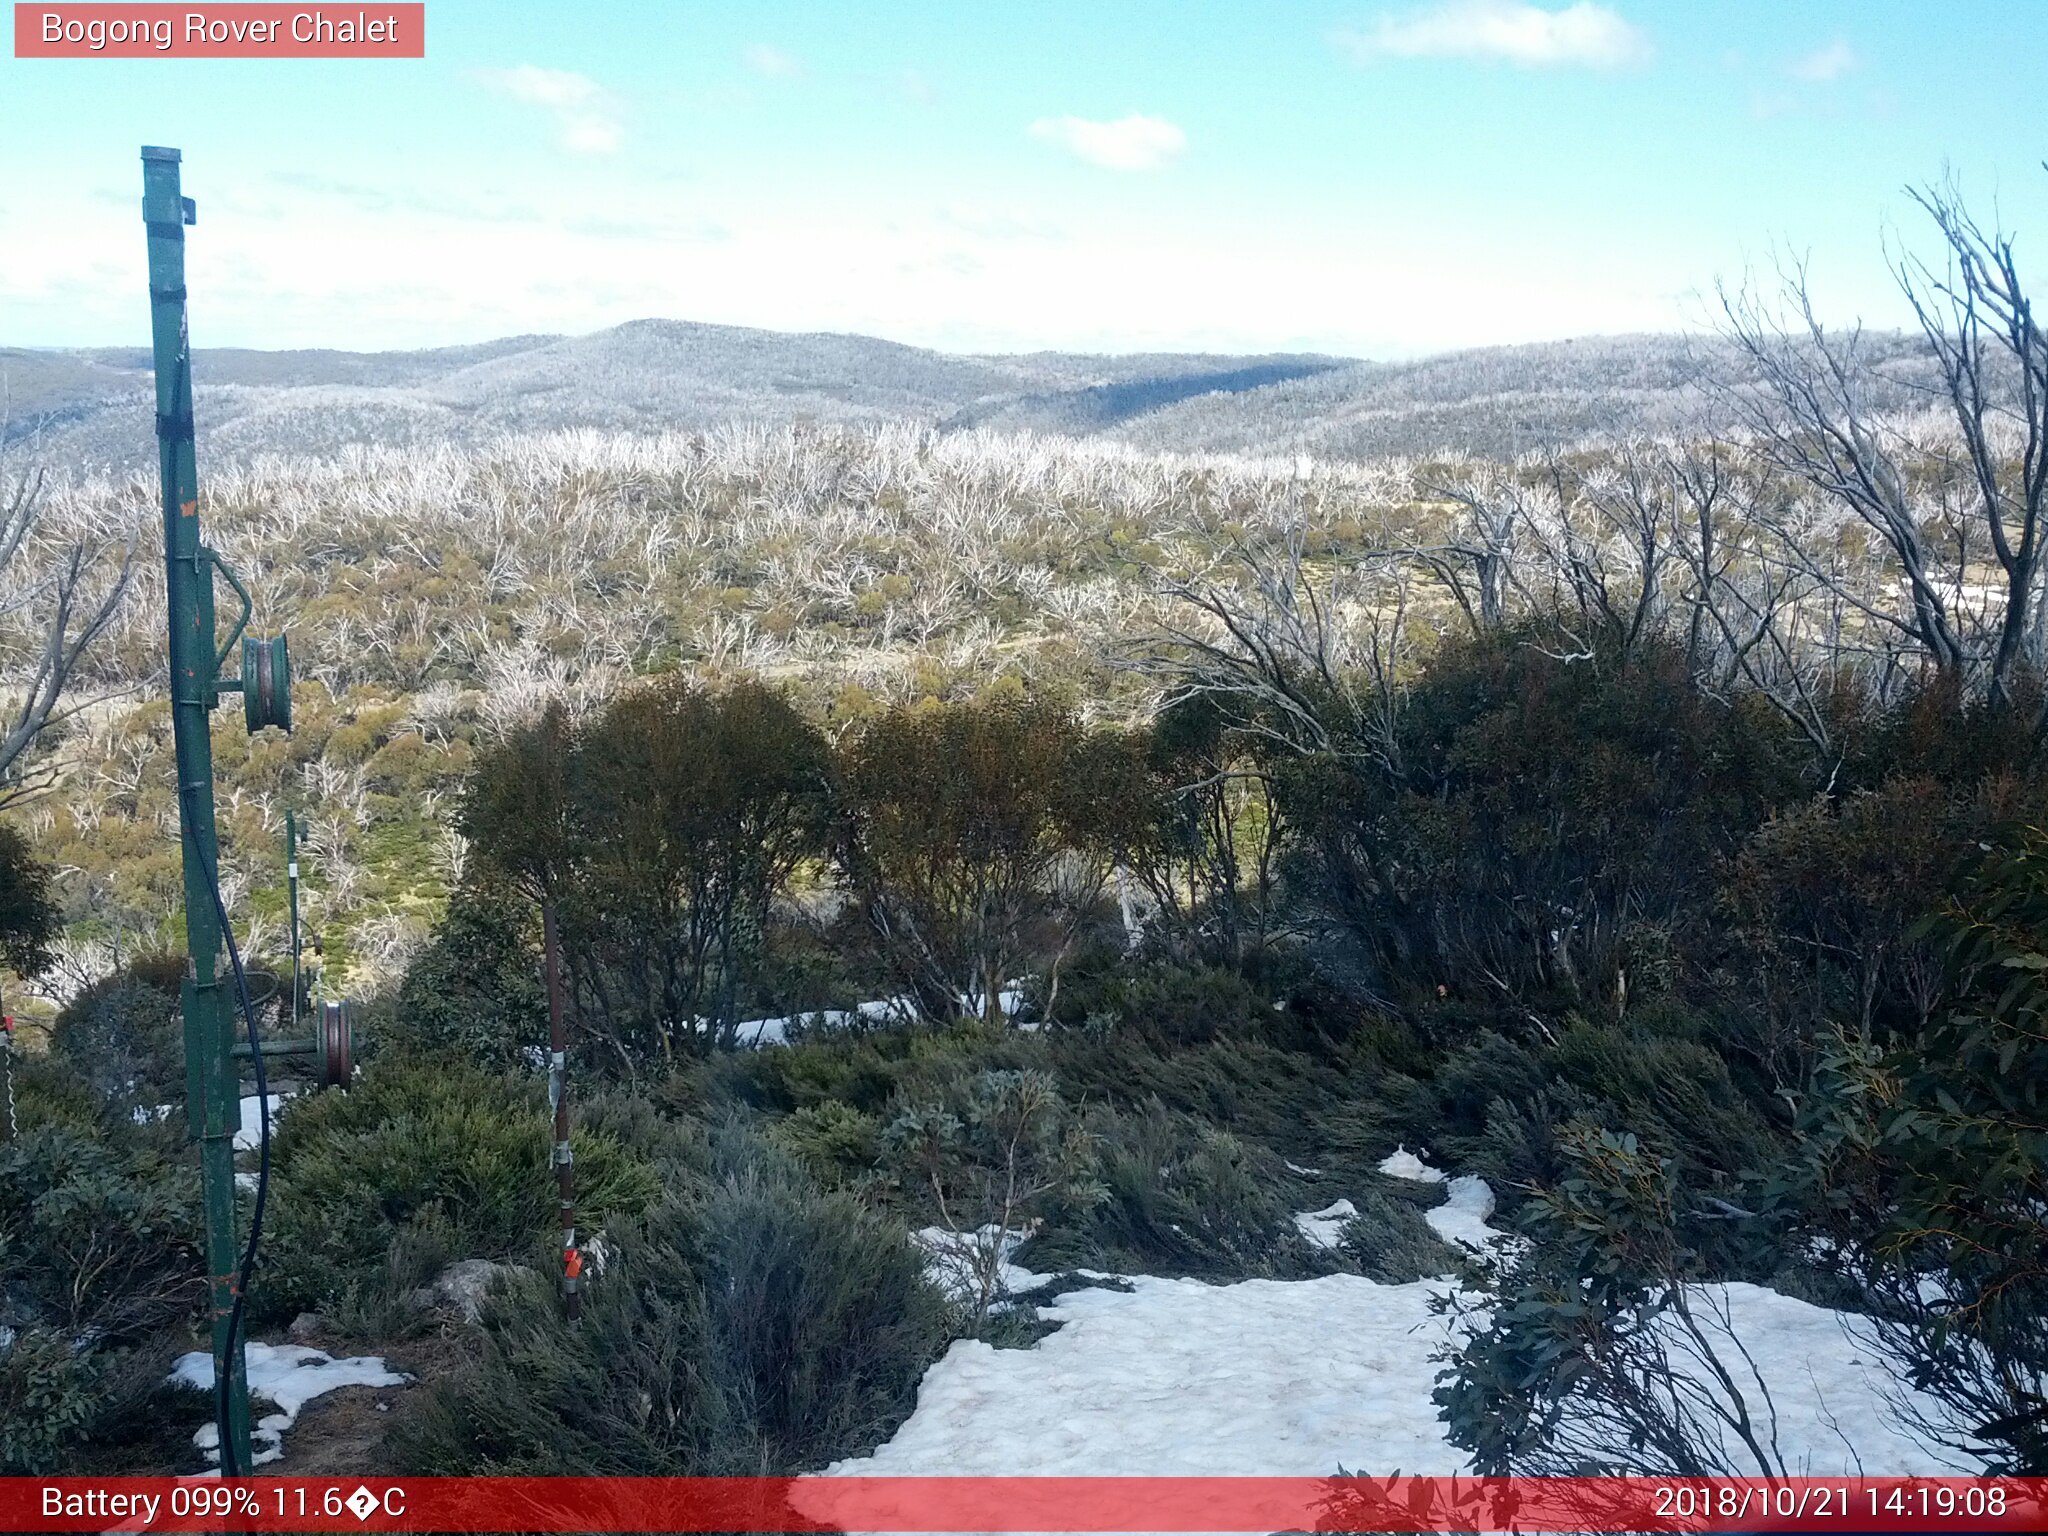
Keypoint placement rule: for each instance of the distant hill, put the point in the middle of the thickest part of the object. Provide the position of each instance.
(91, 408)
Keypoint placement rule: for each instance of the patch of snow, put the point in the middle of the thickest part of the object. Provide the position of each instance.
(887, 1010)
(289, 1375)
(881, 1011)
(1403, 1164)
(250, 1136)
(246, 1181)
(143, 1114)
(1177, 1377)
(1828, 1379)
(1312, 1173)
(956, 1261)
(1462, 1219)
(1323, 1228)
(1299, 1378)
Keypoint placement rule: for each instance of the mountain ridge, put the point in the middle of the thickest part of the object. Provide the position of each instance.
(87, 408)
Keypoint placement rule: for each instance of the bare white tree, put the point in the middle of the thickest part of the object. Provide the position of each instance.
(60, 589)
(1819, 409)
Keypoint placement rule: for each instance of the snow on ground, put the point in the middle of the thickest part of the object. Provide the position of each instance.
(250, 1136)
(247, 1139)
(289, 1375)
(955, 1260)
(887, 1010)
(1265, 1376)
(1462, 1218)
(1403, 1164)
(1325, 1228)
(1300, 1378)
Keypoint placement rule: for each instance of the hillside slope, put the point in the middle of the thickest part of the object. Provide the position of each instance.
(91, 407)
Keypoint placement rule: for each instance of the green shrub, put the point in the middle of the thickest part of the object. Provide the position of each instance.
(29, 919)
(1353, 1135)
(1544, 810)
(662, 829)
(71, 1405)
(51, 1393)
(49, 1090)
(1176, 1196)
(100, 1270)
(1584, 1327)
(352, 1169)
(1925, 1161)
(1676, 1093)
(1248, 1086)
(1171, 1004)
(810, 1072)
(753, 1327)
(125, 1035)
(985, 1163)
(99, 1230)
(978, 835)
(476, 989)
(835, 1142)
(1390, 1242)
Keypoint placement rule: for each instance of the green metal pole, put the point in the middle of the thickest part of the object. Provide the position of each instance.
(291, 875)
(213, 1097)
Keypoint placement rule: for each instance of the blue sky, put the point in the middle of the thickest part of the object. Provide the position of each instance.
(1378, 180)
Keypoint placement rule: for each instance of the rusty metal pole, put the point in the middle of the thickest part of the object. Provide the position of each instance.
(558, 1099)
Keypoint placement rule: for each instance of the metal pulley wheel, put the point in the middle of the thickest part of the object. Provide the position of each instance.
(266, 683)
(337, 1042)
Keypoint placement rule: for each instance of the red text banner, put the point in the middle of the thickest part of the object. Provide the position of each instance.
(1004, 1504)
(235, 31)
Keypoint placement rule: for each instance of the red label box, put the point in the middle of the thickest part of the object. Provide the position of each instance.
(371, 30)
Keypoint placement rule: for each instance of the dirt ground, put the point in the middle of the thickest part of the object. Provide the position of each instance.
(339, 1433)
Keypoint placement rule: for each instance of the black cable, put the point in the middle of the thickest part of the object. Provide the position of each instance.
(220, 1382)
(263, 1137)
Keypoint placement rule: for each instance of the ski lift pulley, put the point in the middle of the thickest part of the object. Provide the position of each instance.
(266, 683)
(337, 1045)
(330, 1055)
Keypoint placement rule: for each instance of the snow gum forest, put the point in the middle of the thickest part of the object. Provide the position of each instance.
(1115, 915)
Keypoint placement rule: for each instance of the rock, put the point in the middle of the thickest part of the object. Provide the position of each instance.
(461, 1286)
(306, 1327)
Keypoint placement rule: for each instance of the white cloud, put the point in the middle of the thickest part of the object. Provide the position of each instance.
(590, 135)
(1133, 143)
(305, 267)
(582, 108)
(1829, 63)
(773, 62)
(1528, 36)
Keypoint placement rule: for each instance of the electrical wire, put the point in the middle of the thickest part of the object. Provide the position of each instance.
(221, 1373)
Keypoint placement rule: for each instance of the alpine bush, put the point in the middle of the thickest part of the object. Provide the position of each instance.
(351, 1169)
(754, 1326)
